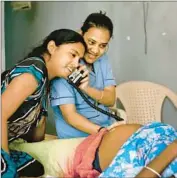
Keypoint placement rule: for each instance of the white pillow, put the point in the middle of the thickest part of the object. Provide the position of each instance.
(53, 154)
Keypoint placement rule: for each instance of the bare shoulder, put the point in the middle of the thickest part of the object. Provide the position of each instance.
(26, 78)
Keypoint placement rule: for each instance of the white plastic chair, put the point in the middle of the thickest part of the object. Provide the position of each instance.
(142, 100)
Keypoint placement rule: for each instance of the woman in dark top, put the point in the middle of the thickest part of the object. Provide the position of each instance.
(24, 94)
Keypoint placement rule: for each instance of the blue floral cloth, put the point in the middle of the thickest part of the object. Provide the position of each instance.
(140, 149)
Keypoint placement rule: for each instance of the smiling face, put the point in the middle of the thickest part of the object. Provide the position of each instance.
(97, 40)
(64, 58)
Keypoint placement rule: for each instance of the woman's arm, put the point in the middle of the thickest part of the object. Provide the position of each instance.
(160, 162)
(76, 120)
(15, 94)
(106, 96)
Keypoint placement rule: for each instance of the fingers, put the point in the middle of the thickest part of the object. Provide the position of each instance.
(84, 83)
(86, 79)
(84, 68)
(85, 74)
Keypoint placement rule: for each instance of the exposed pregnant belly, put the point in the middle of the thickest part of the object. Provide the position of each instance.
(112, 142)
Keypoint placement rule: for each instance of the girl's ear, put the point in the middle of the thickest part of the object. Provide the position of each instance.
(51, 47)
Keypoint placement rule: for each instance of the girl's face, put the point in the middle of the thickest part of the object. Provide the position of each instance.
(64, 58)
(97, 40)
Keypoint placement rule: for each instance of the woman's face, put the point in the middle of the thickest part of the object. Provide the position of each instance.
(97, 40)
(65, 58)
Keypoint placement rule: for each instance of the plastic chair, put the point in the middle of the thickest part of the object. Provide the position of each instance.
(143, 100)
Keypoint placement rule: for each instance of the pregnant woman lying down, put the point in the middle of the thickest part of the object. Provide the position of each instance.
(129, 150)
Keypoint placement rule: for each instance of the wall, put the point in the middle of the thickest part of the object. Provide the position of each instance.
(2, 45)
(127, 48)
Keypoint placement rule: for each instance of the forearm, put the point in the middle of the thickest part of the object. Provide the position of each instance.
(4, 136)
(105, 97)
(160, 162)
(81, 123)
(39, 132)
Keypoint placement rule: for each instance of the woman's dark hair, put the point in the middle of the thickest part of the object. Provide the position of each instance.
(62, 36)
(98, 20)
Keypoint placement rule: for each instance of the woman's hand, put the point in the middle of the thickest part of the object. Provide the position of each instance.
(84, 82)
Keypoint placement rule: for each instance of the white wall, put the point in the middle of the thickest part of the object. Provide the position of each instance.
(2, 45)
(127, 57)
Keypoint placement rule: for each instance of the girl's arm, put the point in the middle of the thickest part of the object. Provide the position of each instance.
(76, 120)
(37, 134)
(17, 91)
(106, 96)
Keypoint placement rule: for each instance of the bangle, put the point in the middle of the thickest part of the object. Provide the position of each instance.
(102, 93)
(100, 128)
(152, 170)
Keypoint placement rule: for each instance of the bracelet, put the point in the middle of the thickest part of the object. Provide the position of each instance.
(152, 170)
(102, 93)
(100, 128)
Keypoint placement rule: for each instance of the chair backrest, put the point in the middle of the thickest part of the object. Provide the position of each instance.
(143, 100)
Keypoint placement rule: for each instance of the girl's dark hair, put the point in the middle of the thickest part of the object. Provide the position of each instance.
(62, 36)
(98, 20)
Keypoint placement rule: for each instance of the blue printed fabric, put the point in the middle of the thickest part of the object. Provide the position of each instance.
(140, 149)
(18, 163)
(8, 167)
(14, 162)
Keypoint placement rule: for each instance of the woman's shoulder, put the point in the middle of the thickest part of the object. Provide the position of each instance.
(33, 65)
(103, 58)
(59, 81)
(60, 86)
(102, 63)
(37, 62)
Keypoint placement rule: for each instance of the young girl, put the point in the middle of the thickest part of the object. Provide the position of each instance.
(24, 93)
